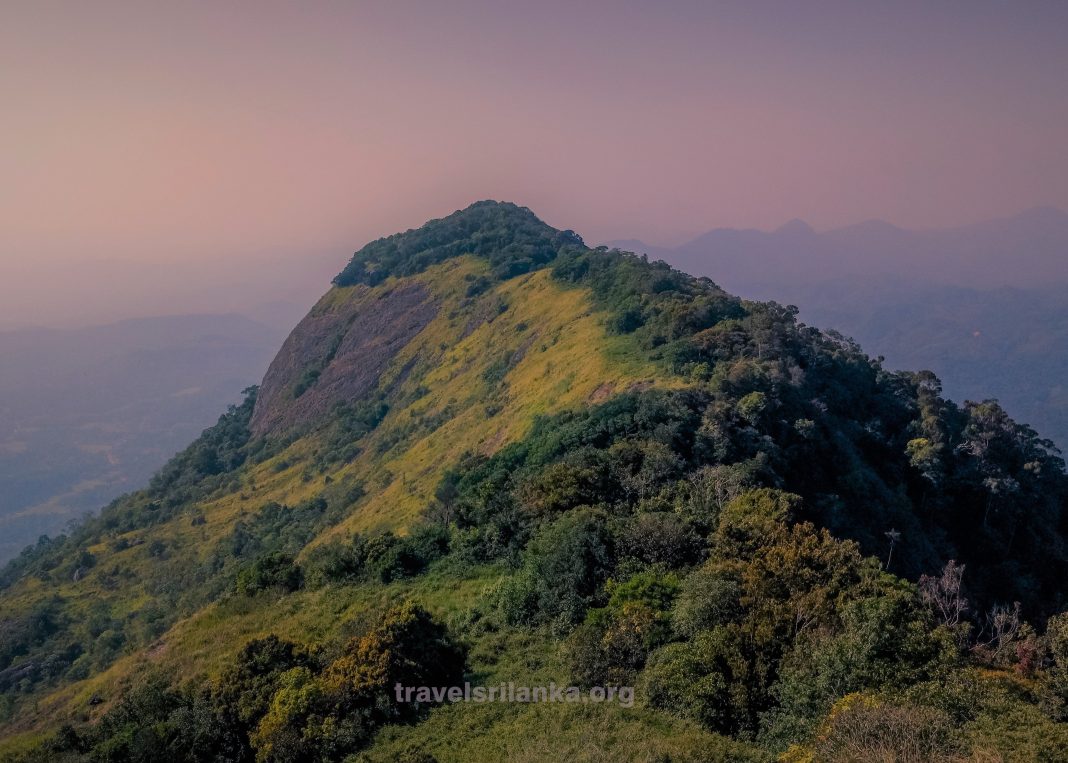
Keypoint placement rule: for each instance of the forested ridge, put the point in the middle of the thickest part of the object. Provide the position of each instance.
(585, 468)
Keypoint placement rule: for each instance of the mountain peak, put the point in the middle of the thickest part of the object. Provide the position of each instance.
(795, 227)
(510, 236)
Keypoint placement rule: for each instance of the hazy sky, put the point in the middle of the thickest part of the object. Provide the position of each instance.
(160, 156)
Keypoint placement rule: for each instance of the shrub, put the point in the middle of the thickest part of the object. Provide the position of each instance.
(659, 538)
(564, 568)
(694, 680)
(861, 727)
(274, 570)
(613, 643)
(707, 599)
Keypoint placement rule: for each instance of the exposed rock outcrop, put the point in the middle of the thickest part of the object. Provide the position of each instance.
(338, 355)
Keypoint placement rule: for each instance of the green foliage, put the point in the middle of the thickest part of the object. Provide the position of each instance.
(686, 452)
(885, 643)
(510, 237)
(1055, 680)
(563, 570)
(863, 728)
(324, 715)
(709, 598)
(275, 570)
(152, 721)
(772, 582)
(658, 305)
(349, 424)
(613, 643)
(384, 557)
(659, 538)
(219, 450)
(21, 633)
(276, 527)
(277, 701)
(630, 449)
(249, 683)
(702, 679)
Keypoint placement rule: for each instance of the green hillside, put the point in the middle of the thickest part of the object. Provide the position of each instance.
(491, 454)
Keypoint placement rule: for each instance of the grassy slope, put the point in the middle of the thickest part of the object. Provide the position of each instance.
(550, 334)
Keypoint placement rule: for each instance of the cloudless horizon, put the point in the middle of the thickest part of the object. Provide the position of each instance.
(159, 158)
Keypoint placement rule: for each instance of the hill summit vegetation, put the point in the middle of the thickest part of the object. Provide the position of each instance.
(491, 454)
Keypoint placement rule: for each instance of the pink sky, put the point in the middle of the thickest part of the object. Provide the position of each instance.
(215, 141)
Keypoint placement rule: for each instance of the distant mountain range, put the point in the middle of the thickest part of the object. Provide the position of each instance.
(1028, 250)
(985, 306)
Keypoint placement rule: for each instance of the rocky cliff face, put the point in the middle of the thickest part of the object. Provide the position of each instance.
(338, 352)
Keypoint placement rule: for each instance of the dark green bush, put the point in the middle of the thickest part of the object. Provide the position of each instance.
(273, 570)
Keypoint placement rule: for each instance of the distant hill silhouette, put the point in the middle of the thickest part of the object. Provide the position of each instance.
(1026, 250)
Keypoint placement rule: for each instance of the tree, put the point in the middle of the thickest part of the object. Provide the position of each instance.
(708, 599)
(408, 647)
(659, 538)
(315, 716)
(273, 570)
(883, 643)
(247, 686)
(998, 639)
(564, 568)
(614, 641)
(442, 509)
(1055, 679)
(696, 679)
(943, 595)
(893, 536)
